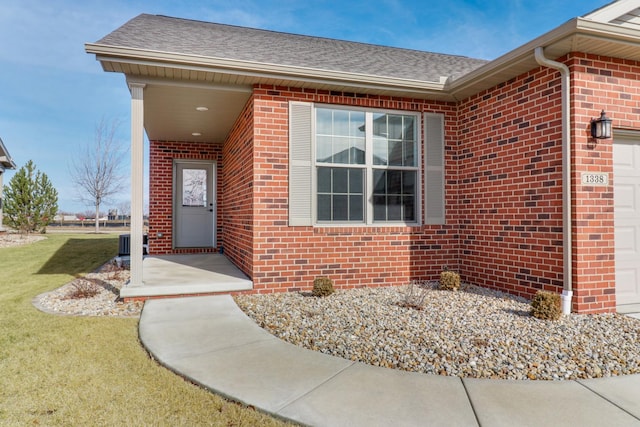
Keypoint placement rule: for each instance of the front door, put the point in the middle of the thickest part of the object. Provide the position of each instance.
(195, 204)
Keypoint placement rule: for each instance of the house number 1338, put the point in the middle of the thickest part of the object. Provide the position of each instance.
(595, 178)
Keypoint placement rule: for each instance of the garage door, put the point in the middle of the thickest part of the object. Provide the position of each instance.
(626, 167)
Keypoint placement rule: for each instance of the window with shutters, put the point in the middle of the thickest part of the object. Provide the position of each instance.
(366, 166)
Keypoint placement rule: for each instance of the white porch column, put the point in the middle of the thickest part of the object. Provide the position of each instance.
(137, 182)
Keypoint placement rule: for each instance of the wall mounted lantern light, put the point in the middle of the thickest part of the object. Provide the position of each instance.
(601, 127)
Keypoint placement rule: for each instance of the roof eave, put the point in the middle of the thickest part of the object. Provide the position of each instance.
(487, 75)
(115, 54)
(513, 63)
(557, 42)
(5, 159)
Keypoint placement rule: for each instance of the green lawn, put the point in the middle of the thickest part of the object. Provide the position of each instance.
(62, 370)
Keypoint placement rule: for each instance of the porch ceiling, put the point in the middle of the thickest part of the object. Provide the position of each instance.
(171, 110)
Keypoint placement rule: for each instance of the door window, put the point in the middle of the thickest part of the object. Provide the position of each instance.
(194, 187)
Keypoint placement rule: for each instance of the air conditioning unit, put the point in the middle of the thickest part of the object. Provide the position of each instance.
(124, 245)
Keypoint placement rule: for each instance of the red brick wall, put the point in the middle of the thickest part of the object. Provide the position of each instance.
(613, 85)
(289, 258)
(510, 181)
(236, 199)
(161, 157)
(510, 178)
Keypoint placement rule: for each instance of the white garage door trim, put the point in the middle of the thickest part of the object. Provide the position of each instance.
(626, 169)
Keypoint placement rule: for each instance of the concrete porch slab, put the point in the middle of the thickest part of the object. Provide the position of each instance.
(187, 274)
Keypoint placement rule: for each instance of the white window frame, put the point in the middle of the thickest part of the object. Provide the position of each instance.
(369, 167)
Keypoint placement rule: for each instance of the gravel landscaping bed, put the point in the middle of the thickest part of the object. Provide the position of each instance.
(14, 239)
(473, 332)
(105, 282)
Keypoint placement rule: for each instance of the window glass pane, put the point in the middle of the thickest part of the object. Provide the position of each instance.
(394, 195)
(324, 207)
(380, 125)
(324, 180)
(194, 187)
(324, 121)
(340, 136)
(356, 212)
(409, 126)
(379, 208)
(409, 158)
(357, 124)
(394, 182)
(380, 151)
(357, 151)
(409, 182)
(340, 182)
(408, 208)
(394, 208)
(395, 153)
(323, 149)
(379, 181)
(341, 150)
(355, 181)
(340, 195)
(341, 122)
(340, 207)
(395, 127)
(409, 153)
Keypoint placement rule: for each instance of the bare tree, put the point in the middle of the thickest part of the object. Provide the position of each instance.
(96, 171)
(124, 208)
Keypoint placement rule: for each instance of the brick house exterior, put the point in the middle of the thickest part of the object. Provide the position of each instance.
(501, 168)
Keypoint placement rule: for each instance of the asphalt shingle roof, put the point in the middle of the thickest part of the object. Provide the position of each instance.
(182, 36)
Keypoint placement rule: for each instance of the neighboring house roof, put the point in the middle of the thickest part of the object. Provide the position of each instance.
(5, 159)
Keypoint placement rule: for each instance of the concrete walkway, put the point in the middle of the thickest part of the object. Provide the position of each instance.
(210, 341)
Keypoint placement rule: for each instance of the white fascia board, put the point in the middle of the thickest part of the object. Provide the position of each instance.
(5, 158)
(612, 32)
(613, 11)
(159, 81)
(257, 69)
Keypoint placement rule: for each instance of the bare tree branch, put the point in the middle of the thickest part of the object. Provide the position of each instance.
(96, 171)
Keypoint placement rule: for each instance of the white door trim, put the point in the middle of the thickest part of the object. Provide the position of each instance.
(626, 213)
(209, 205)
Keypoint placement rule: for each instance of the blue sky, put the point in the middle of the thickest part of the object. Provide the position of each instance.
(53, 94)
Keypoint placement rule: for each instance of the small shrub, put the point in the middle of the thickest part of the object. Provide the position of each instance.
(546, 305)
(414, 295)
(82, 288)
(322, 287)
(114, 271)
(449, 280)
